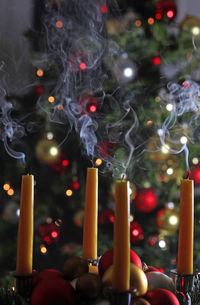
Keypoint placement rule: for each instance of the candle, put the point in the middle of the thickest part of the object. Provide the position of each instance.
(90, 215)
(121, 260)
(25, 228)
(186, 228)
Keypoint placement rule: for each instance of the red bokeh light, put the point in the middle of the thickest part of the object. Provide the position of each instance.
(39, 90)
(75, 185)
(135, 232)
(82, 65)
(170, 14)
(104, 9)
(54, 234)
(195, 174)
(65, 162)
(156, 60)
(112, 218)
(186, 84)
(47, 239)
(93, 108)
(158, 16)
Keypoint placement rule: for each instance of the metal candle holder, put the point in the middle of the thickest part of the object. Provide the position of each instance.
(184, 284)
(23, 285)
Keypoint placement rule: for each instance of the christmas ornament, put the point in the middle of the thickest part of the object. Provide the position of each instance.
(49, 232)
(167, 220)
(47, 151)
(161, 297)
(145, 200)
(89, 286)
(151, 268)
(191, 24)
(106, 260)
(165, 9)
(106, 217)
(138, 279)
(136, 232)
(140, 301)
(75, 267)
(124, 69)
(45, 275)
(159, 280)
(53, 292)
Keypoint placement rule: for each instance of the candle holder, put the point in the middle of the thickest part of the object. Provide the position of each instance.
(184, 284)
(118, 297)
(23, 285)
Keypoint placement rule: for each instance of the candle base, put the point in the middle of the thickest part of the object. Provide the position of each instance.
(118, 297)
(23, 285)
(184, 284)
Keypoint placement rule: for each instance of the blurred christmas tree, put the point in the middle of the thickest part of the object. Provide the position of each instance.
(107, 86)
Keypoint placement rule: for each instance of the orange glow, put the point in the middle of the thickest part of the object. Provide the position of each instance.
(69, 193)
(10, 192)
(40, 72)
(59, 24)
(138, 22)
(51, 99)
(43, 249)
(98, 162)
(6, 186)
(59, 107)
(149, 122)
(150, 21)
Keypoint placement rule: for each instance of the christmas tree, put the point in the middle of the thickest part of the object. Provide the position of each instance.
(115, 86)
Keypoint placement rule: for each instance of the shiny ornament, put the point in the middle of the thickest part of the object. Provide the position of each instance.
(167, 220)
(45, 275)
(145, 200)
(191, 24)
(138, 279)
(75, 267)
(47, 151)
(89, 286)
(106, 260)
(136, 232)
(159, 280)
(53, 292)
(161, 297)
(139, 301)
(165, 9)
(124, 70)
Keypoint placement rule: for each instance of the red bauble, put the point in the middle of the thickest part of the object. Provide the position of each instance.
(165, 9)
(53, 292)
(136, 232)
(106, 217)
(106, 260)
(45, 275)
(195, 174)
(161, 297)
(145, 200)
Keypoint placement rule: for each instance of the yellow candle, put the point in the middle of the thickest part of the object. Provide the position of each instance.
(186, 228)
(121, 260)
(25, 228)
(90, 215)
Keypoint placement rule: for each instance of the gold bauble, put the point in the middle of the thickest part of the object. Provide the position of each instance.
(189, 23)
(138, 279)
(167, 221)
(139, 301)
(75, 267)
(89, 285)
(47, 151)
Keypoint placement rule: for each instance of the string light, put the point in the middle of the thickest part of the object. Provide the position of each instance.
(10, 192)
(195, 160)
(51, 99)
(128, 72)
(59, 107)
(59, 24)
(195, 30)
(98, 162)
(170, 14)
(162, 244)
(173, 220)
(93, 108)
(183, 140)
(54, 234)
(65, 162)
(170, 171)
(157, 99)
(58, 222)
(6, 186)
(149, 122)
(169, 107)
(165, 149)
(82, 66)
(170, 205)
(158, 16)
(156, 61)
(138, 22)
(104, 9)
(150, 21)
(69, 192)
(53, 151)
(50, 135)
(43, 249)
(40, 72)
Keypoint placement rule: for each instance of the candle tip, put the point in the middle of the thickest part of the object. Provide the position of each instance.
(186, 175)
